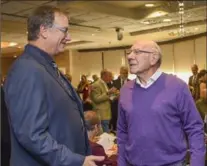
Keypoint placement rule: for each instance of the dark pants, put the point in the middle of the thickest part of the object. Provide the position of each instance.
(114, 114)
(105, 125)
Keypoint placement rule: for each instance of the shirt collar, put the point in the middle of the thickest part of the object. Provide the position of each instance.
(151, 80)
(44, 54)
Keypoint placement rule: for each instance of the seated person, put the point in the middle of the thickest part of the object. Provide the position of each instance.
(93, 125)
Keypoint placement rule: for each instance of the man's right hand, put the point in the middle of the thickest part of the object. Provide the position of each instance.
(112, 91)
(90, 160)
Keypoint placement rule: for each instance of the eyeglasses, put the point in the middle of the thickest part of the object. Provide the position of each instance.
(62, 29)
(138, 51)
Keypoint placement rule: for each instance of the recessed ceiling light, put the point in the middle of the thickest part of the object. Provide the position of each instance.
(167, 20)
(181, 4)
(149, 5)
(93, 34)
(145, 22)
(196, 28)
(157, 14)
(181, 12)
(11, 44)
(14, 56)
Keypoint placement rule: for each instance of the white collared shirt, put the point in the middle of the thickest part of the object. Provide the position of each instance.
(151, 80)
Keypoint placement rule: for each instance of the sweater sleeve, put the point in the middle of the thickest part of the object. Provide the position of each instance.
(193, 126)
(121, 136)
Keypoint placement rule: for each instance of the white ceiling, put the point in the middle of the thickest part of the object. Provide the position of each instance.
(93, 22)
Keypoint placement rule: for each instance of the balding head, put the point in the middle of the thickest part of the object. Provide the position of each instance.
(92, 119)
(124, 72)
(149, 46)
(105, 75)
(95, 77)
(194, 69)
(144, 55)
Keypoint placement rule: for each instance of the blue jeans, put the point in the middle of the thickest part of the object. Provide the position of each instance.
(105, 125)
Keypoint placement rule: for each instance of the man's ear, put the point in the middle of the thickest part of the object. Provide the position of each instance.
(154, 58)
(43, 32)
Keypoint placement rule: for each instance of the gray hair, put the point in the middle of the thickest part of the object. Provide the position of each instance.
(157, 50)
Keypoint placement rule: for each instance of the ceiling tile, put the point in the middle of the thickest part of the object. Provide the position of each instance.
(75, 12)
(90, 16)
(36, 2)
(101, 21)
(25, 13)
(12, 18)
(14, 7)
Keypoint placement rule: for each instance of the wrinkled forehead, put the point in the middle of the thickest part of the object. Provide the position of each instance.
(150, 46)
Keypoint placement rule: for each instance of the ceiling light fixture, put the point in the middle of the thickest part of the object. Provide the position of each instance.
(145, 22)
(157, 14)
(11, 44)
(167, 20)
(149, 5)
(181, 12)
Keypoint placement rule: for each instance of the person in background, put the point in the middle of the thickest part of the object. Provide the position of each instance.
(193, 82)
(156, 113)
(122, 78)
(110, 84)
(45, 112)
(93, 125)
(118, 83)
(202, 83)
(114, 105)
(83, 87)
(95, 78)
(202, 102)
(100, 96)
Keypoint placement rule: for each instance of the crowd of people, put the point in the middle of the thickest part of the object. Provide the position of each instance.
(102, 96)
(51, 123)
(197, 85)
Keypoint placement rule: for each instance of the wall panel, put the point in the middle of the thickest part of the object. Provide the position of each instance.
(200, 52)
(113, 60)
(167, 58)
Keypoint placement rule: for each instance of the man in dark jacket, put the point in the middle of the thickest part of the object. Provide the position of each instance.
(45, 112)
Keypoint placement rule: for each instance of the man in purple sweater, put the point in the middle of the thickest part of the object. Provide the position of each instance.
(156, 112)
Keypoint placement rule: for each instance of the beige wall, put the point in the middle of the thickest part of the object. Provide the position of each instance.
(177, 59)
(62, 60)
(5, 65)
(88, 63)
